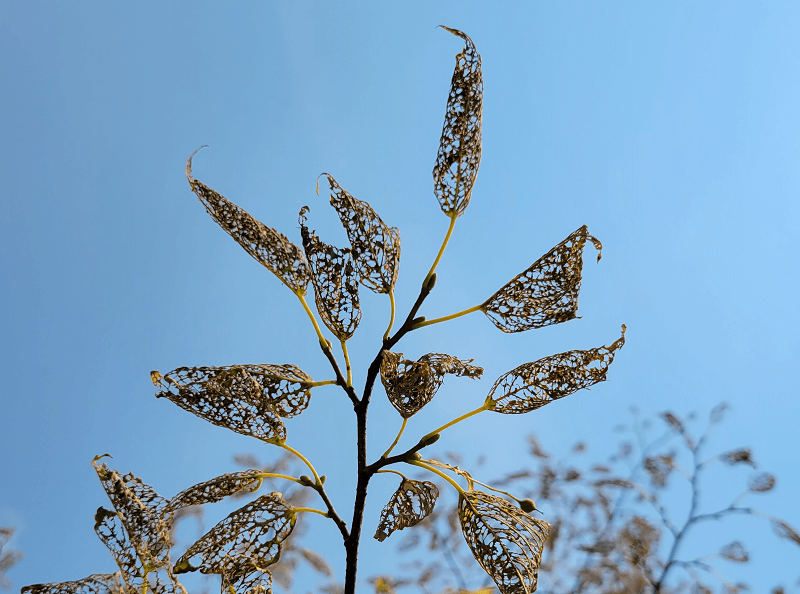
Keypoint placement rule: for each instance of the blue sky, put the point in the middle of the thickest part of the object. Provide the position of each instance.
(671, 129)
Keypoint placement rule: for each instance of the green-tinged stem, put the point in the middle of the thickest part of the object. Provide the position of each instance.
(446, 318)
(506, 493)
(435, 471)
(310, 313)
(391, 320)
(311, 510)
(325, 383)
(393, 472)
(396, 439)
(484, 407)
(273, 475)
(302, 457)
(453, 218)
(347, 363)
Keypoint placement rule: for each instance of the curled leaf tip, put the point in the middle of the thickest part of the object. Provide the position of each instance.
(189, 163)
(544, 294)
(533, 385)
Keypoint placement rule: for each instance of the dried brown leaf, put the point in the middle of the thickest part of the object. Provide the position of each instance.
(615, 482)
(98, 583)
(247, 540)
(740, 456)
(735, 552)
(659, 468)
(673, 421)
(143, 512)
(410, 385)
(533, 385)
(224, 396)
(506, 541)
(216, 489)
(375, 245)
(335, 283)
(547, 292)
(761, 483)
(459, 153)
(409, 505)
(317, 561)
(271, 248)
(783, 530)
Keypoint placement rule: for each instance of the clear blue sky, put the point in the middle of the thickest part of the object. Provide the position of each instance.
(671, 129)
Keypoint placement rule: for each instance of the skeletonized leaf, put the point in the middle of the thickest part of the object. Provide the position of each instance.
(335, 283)
(285, 387)
(131, 562)
(462, 473)
(410, 385)
(256, 582)
(547, 292)
(375, 245)
(143, 512)
(98, 583)
(224, 396)
(459, 153)
(217, 489)
(411, 503)
(532, 385)
(271, 248)
(138, 568)
(247, 540)
(506, 541)
(735, 552)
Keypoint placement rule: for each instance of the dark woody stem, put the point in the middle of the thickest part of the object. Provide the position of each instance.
(365, 472)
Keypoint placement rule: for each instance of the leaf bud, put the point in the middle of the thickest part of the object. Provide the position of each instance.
(418, 320)
(527, 505)
(306, 480)
(430, 440)
(322, 479)
(431, 283)
(415, 457)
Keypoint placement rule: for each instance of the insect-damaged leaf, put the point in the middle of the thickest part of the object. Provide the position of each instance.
(248, 540)
(98, 583)
(532, 385)
(335, 283)
(547, 292)
(410, 385)
(131, 562)
(375, 245)
(459, 153)
(143, 512)
(271, 248)
(247, 583)
(217, 489)
(506, 541)
(248, 399)
(411, 503)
